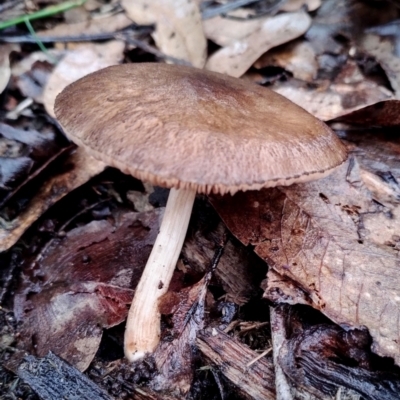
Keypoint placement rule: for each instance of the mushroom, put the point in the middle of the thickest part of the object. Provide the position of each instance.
(192, 131)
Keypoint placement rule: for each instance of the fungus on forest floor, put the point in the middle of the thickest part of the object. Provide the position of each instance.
(192, 131)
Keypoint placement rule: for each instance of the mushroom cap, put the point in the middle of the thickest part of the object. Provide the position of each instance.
(183, 127)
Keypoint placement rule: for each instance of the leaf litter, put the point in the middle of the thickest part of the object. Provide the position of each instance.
(339, 69)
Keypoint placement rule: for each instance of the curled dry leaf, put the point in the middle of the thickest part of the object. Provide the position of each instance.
(350, 91)
(84, 286)
(83, 168)
(382, 114)
(336, 238)
(298, 58)
(5, 70)
(179, 31)
(238, 57)
(108, 24)
(382, 49)
(80, 62)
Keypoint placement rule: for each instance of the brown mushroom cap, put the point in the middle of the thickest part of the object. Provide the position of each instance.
(188, 128)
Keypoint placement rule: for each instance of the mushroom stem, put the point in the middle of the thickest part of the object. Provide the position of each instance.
(142, 333)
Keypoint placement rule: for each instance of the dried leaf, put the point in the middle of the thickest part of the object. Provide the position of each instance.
(382, 49)
(295, 5)
(382, 114)
(238, 57)
(179, 32)
(108, 24)
(327, 103)
(331, 237)
(31, 83)
(77, 63)
(226, 31)
(298, 58)
(5, 70)
(83, 283)
(174, 358)
(84, 167)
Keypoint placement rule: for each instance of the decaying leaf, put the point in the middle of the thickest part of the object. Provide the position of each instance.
(83, 168)
(77, 63)
(179, 31)
(174, 358)
(325, 358)
(382, 114)
(238, 57)
(82, 284)
(336, 238)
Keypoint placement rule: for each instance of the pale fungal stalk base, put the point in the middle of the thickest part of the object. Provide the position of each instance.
(142, 333)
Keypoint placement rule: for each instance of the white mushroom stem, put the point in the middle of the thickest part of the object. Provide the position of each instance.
(142, 333)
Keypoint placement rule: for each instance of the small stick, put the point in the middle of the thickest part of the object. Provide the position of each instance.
(263, 354)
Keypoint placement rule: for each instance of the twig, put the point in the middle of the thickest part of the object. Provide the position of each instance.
(150, 49)
(74, 38)
(263, 354)
(271, 10)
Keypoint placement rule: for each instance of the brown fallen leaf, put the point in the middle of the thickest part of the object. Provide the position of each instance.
(179, 32)
(237, 58)
(80, 62)
(83, 168)
(330, 236)
(82, 284)
(174, 357)
(381, 114)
